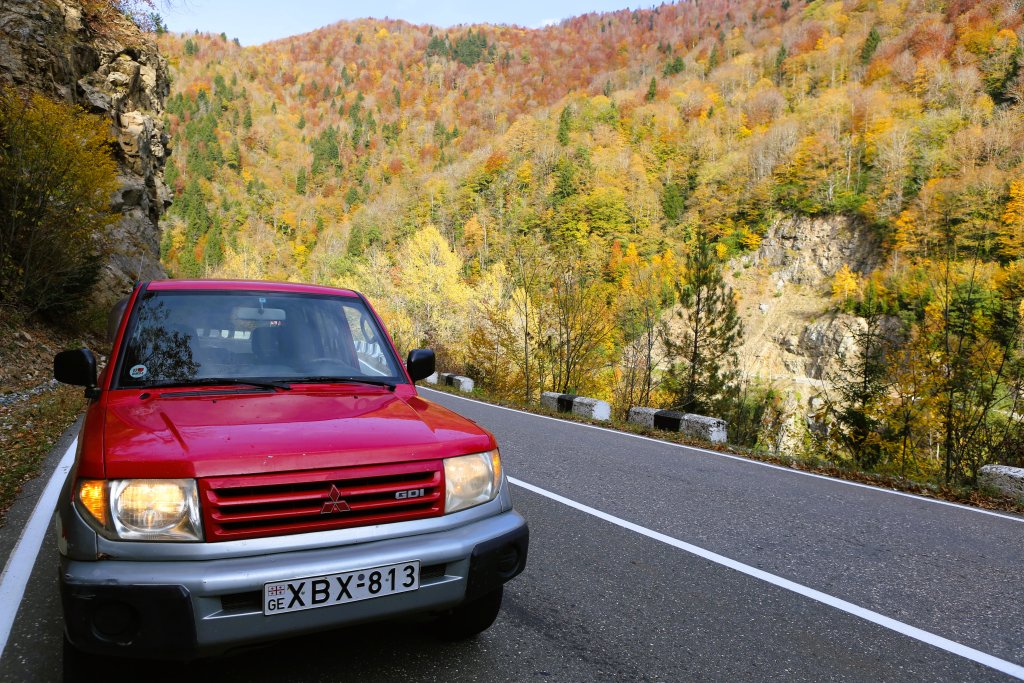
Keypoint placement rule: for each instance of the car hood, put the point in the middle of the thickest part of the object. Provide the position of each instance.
(181, 433)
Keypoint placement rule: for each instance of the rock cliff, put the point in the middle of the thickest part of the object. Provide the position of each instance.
(810, 251)
(792, 334)
(88, 54)
(794, 338)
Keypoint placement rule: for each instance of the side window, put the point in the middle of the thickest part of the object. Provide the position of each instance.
(371, 356)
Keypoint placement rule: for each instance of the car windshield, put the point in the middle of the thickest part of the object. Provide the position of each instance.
(190, 337)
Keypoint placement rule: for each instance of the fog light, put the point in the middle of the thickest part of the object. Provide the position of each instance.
(115, 621)
(508, 560)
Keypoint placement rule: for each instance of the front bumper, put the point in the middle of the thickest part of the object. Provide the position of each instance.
(185, 609)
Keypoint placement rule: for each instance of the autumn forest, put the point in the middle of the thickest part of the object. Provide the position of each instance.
(577, 208)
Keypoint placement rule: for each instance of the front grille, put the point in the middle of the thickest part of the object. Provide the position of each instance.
(316, 500)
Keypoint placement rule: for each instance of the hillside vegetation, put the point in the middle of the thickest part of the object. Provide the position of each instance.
(536, 204)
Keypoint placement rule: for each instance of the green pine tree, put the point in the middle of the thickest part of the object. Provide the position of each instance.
(234, 157)
(674, 66)
(159, 26)
(355, 242)
(870, 45)
(713, 59)
(704, 349)
(564, 120)
(673, 202)
(652, 90)
(780, 60)
(213, 254)
(860, 383)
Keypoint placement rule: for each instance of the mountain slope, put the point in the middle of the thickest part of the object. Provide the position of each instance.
(824, 110)
(439, 170)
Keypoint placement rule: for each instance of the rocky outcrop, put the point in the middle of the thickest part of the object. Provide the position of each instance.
(1006, 480)
(792, 333)
(103, 63)
(809, 251)
(824, 347)
(817, 348)
(794, 338)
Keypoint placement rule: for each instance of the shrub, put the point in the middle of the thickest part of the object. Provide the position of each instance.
(56, 180)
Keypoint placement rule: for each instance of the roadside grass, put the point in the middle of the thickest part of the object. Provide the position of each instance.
(28, 430)
(964, 495)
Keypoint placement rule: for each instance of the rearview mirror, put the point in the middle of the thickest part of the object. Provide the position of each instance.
(77, 367)
(253, 313)
(420, 364)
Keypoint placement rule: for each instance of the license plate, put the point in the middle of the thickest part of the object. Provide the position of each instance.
(338, 589)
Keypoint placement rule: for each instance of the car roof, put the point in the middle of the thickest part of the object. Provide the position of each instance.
(245, 286)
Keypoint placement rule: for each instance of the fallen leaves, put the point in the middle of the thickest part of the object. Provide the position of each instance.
(28, 430)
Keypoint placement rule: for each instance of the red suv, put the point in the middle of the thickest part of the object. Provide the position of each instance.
(256, 463)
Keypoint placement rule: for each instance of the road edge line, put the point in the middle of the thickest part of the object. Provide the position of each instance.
(927, 637)
(740, 458)
(22, 560)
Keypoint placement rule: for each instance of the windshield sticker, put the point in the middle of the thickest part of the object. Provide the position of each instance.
(137, 371)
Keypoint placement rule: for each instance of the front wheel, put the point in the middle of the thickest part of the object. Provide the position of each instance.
(470, 618)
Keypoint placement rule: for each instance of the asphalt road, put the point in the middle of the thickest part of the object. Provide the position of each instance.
(603, 602)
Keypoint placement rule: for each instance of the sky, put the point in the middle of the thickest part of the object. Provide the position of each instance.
(257, 21)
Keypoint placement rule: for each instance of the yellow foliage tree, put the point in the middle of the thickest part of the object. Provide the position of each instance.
(1011, 237)
(844, 284)
(645, 291)
(493, 340)
(426, 297)
(750, 240)
(56, 180)
(473, 235)
(909, 410)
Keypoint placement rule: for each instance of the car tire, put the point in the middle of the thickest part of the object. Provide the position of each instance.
(470, 618)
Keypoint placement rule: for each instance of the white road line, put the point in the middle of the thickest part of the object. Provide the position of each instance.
(740, 458)
(23, 558)
(926, 637)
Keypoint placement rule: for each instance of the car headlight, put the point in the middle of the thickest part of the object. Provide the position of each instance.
(471, 480)
(143, 509)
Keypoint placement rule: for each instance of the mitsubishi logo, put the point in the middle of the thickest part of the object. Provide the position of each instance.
(334, 503)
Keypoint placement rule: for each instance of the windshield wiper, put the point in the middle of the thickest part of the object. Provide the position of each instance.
(214, 381)
(327, 379)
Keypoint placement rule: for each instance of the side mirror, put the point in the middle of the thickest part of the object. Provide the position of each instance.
(420, 364)
(77, 367)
